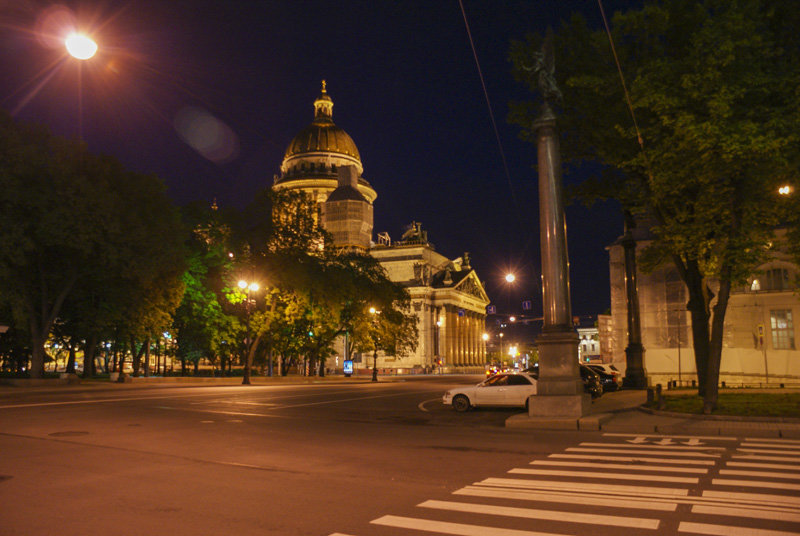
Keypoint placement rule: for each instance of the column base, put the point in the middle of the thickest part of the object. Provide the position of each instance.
(559, 406)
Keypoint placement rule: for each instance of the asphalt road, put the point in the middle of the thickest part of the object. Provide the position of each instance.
(354, 459)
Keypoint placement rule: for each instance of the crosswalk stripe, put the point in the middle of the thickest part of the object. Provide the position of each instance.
(762, 465)
(776, 514)
(458, 529)
(579, 486)
(549, 515)
(721, 530)
(765, 458)
(643, 446)
(753, 498)
(625, 466)
(664, 436)
(767, 451)
(765, 474)
(770, 445)
(770, 440)
(609, 476)
(571, 497)
(631, 459)
(643, 452)
(754, 484)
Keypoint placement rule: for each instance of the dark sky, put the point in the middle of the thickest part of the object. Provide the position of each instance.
(404, 84)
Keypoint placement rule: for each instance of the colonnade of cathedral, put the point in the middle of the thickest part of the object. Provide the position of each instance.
(460, 337)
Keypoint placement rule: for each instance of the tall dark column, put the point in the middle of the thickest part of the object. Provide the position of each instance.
(635, 376)
(560, 389)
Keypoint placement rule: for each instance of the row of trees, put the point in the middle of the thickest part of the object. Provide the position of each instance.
(712, 87)
(94, 256)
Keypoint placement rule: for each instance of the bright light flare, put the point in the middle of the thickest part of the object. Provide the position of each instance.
(510, 278)
(785, 190)
(80, 46)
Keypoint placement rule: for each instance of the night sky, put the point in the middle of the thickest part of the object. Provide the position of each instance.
(404, 85)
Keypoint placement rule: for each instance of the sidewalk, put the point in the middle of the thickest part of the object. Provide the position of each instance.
(622, 411)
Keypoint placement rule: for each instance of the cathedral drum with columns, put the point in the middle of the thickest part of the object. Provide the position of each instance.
(446, 295)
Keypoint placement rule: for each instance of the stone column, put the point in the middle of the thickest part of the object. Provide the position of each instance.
(635, 375)
(560, 389)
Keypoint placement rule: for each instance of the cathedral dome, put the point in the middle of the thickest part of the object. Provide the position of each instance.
(322, 135)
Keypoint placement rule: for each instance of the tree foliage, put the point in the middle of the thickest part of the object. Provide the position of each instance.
(79, 234)
(713, 87)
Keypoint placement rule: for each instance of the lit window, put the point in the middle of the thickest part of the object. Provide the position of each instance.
(782, 329)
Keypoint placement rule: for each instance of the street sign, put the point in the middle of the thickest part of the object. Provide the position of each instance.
(491, 309)
(348, 367)
(526, 305)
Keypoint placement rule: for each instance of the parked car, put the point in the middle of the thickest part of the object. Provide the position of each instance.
(610, 376)
(592, 383)
(503, 389)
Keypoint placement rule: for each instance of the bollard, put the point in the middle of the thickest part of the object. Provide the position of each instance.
(659, 397)
(650, 397)
(723, 385)
(693, 384)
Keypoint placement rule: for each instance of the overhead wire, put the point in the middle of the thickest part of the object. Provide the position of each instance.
(518, 212)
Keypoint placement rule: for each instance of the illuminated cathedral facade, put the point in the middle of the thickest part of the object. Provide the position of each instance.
(447, 297)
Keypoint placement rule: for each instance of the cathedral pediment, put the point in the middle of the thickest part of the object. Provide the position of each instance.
(471, 285)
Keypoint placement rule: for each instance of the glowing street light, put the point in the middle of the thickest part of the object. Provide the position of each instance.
(80, 46)
(510, 278)
(785, 190)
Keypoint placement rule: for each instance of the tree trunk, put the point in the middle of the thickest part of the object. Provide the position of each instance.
(71, 359)
(717, 332)
(147, 357)
(137, 356)
(699, 297)
(37, 354)
(88, 356)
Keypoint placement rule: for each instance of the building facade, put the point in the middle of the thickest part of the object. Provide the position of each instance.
(447, 296)
(759, 344)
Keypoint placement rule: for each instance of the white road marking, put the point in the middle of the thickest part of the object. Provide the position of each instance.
(458, 529)
(771, 445)
(707, 438)
(769, 440)
(623, 466)
(665, 446)
(632, 459)
(421, 405)
(754, 484)
(580, 486)
(549, 515)
(767, 451)
(762, 465)
(643, 452)
(220, 412)
(763, 474)
(753, 498)
(721, 530)
(773, 514)
(765, 458)
(100, 400)
(609, 476)
(569, 497)
(339, 534)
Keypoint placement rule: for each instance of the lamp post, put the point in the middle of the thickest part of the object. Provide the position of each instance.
(375, 339)
(250, 287)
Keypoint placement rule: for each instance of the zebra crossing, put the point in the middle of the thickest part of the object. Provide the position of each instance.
(626, 484)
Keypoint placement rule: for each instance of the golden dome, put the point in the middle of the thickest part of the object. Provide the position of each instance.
(322, 135)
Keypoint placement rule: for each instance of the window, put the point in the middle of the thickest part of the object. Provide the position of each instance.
(782, 329)
(518, 380)
(776, 279)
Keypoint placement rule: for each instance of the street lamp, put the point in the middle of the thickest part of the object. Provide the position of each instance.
(250, 287)
(785, 189)
(510, 278)
(375, 339)
(80, 46)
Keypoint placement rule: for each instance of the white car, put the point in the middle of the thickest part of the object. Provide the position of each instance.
(497, 390)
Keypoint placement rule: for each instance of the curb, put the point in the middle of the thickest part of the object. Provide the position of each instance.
(731, 418)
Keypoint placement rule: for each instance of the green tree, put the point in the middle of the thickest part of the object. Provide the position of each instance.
(78, 228)
(713, 85)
